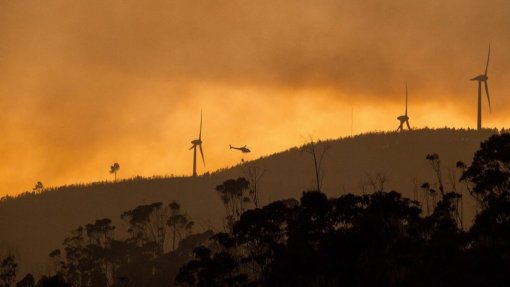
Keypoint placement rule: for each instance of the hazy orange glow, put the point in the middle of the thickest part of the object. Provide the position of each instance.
(84, 84)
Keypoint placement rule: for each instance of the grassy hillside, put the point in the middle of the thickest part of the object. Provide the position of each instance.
(33, 225)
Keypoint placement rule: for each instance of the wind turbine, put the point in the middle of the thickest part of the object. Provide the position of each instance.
(483, 79)
(197, 143)
(404, 119)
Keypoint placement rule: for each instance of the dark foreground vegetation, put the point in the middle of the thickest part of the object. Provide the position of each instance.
(35, 223)
(380, 239)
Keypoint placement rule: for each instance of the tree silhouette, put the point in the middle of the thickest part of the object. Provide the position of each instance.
(100, 238)
(318, 158)
(8, 268)
(39, 187)
(214, 270)
(319, 242)
(374, 181)
(435, 163)
(179, 223)
(233, 195)
(147, 225)
(27, 281)
(93, 257)
(254, 175)
(56, 259)
(88, 260)
(488, 178)
(489, 172)
(53, 281)
(114, 169)
(377, 239)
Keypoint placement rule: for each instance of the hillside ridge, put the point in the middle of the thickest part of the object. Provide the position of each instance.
(34, 224)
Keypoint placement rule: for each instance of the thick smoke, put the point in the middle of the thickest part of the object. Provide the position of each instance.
(86, 83)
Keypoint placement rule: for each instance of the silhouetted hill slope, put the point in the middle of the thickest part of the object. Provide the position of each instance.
(34, 225)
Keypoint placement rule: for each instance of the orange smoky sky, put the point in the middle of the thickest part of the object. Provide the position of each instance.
(86, 83)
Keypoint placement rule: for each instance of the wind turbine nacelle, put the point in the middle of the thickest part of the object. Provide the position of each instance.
(196, 142)
(480, 78)
(403, 118)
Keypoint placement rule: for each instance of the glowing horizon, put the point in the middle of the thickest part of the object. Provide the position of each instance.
(84, 84)
(157, 152)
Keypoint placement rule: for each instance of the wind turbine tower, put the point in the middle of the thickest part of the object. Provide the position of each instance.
(404, 119)
(483, 79)
(197, 143)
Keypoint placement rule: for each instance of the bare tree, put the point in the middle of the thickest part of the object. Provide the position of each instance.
(435, 163)
(426, 188)
(318, 158)
(459, 205)
(362, 186)
(479, 201)
(376, 181)
(252, 173)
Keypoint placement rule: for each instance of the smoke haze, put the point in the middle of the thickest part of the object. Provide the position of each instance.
(84, 84)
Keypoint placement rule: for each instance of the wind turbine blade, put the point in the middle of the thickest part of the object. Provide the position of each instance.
(200, 132)
(487, 92)
(488, 58)
(406, 99)
(202, 153)
(191, 147)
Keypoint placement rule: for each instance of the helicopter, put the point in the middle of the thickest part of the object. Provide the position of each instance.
(243, 149)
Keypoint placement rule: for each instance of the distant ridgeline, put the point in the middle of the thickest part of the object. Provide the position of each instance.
(36, 223)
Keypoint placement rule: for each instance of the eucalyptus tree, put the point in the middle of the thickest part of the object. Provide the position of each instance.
(39, 187)
(114, 168)
(179, 222)
(234, 194)
(147, 225)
